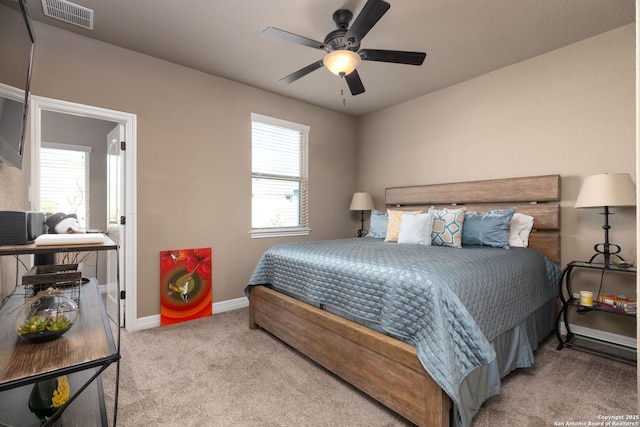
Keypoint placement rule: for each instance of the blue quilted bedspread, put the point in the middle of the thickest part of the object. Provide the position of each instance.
(447, 302)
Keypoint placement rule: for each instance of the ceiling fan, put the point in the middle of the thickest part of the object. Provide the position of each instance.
(343, 46)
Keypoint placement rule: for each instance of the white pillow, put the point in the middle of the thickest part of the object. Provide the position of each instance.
(521, 226)
(393, 223)
(415, 229)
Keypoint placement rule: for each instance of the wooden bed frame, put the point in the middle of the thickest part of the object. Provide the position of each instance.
(382, 367)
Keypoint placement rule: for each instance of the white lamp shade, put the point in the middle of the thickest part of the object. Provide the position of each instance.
(361, 202)
(607, 189)
(341, 62)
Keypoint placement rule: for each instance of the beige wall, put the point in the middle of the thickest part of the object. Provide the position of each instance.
(14, 184)
(569, 112)
(193, 152)
(13, 196)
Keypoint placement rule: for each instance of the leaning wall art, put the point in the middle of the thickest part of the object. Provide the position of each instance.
(185, 281)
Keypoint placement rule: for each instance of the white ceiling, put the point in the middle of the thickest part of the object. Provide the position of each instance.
(463, 39)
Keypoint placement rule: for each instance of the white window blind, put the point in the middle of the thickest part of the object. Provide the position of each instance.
(64, 180)
(279, 165)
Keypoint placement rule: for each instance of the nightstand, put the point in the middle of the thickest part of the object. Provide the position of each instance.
(571, 301)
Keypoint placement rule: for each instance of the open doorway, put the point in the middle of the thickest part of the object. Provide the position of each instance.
(102, 198)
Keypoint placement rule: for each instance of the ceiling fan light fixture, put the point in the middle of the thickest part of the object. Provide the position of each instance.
(341, 62)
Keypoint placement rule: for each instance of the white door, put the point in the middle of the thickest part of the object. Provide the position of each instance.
(115, 222)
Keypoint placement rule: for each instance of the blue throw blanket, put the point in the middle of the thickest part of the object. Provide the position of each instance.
(449, 303)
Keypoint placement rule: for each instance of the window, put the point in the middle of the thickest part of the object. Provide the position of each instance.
(279, 168)
(64, 180)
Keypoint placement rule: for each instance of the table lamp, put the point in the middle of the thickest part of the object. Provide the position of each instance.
(361, 202)
(606, 190)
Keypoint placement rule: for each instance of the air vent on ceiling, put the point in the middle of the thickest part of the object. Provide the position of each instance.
(69, 12)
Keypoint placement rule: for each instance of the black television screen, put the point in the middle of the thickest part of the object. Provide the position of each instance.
(14, 103)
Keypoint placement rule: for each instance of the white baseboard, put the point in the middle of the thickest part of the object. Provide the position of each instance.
(229, 305)
(609, 337)
(150, 322)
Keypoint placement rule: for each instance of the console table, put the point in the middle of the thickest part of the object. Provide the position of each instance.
(82, 354)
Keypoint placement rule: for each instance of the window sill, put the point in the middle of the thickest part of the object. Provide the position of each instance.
(279, 232)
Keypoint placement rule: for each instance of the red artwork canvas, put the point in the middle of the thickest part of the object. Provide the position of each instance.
(185, 281)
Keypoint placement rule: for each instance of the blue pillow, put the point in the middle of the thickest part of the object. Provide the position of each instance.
(378, 224)
(487, 228)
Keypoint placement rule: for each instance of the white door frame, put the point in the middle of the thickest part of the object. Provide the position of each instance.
(115, 305)
(37, 105)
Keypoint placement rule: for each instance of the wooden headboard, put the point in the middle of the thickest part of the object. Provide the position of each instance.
(538, 196)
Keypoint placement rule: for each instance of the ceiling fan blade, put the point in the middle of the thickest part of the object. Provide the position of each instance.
(355, 84)
(368, 17)
(302, 72)
(395, 56)
(294, 38)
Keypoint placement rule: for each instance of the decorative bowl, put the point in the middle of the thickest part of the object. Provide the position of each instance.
(46, 316)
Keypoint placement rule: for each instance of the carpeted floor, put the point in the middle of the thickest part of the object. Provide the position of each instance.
(217, 372)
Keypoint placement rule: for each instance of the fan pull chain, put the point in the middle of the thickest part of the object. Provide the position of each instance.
(344, 84)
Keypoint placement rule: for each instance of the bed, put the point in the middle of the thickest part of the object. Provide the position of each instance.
(434, 366)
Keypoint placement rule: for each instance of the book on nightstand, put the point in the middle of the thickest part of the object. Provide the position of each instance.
(618, 303)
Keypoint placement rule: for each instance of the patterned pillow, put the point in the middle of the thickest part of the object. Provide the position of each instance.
(487, 228)
(378, 224)
(447, 227)
(393, 226)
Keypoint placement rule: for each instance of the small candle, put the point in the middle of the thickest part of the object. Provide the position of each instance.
(586, 298)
